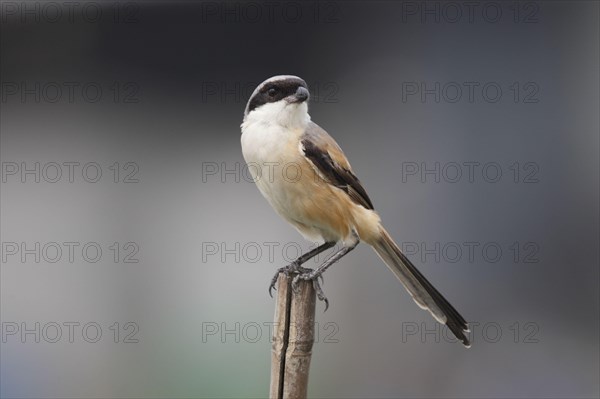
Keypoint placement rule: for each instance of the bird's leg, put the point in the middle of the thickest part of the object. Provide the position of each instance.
(296, 266)
(314, 275)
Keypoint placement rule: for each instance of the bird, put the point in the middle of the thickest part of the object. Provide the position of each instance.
(305, 176)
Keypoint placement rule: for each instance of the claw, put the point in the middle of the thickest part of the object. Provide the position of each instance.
(273, 282)
(292, 268)
(310, 276)
(320, 293)
(301, 273)
(295, 283)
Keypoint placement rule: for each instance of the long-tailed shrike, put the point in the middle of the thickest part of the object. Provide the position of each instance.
(320, 195)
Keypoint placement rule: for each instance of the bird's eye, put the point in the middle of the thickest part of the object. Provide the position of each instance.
(272, 91)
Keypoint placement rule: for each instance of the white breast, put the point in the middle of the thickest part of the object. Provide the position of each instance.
(268, 150)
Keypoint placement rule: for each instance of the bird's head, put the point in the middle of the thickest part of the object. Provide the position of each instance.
(280, 99)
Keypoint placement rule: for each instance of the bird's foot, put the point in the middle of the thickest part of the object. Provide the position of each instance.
(292, 268)
(314, 276)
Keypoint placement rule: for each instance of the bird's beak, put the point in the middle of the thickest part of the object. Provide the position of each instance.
(300, 96)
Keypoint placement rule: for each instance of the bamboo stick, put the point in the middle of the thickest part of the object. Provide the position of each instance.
(293, 338)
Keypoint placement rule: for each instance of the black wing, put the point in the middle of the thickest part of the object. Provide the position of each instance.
(334, 173)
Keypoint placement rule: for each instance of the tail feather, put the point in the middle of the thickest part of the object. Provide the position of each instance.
(421, 290)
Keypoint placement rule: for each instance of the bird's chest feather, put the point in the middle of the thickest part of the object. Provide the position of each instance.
(275, 162)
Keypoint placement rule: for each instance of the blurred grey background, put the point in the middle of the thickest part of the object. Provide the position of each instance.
(136, 253)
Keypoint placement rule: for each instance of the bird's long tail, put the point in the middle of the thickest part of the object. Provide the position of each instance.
(421, 290)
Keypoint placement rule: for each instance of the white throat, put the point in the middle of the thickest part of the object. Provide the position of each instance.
(290, 116)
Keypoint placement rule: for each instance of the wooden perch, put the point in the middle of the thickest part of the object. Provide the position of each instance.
(293, 338)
